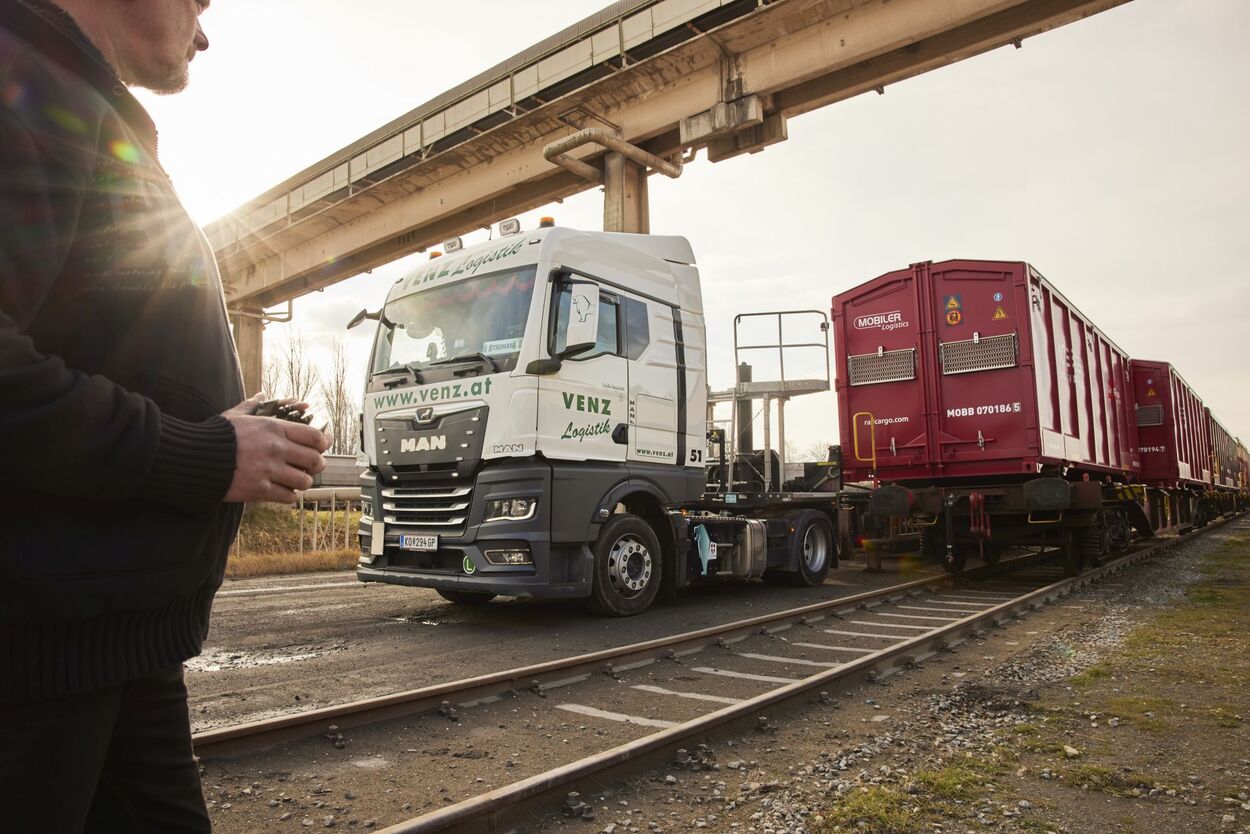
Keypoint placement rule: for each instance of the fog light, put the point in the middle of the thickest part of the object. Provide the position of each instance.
(509, 556)
(511, 509)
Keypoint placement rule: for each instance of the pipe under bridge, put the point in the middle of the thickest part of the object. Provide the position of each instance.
(633, 89)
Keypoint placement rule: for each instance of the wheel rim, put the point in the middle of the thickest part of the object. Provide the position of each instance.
(629, 566)
(815, 548)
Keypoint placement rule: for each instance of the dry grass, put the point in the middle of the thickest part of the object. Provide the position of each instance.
(266, 564)
(269, 542)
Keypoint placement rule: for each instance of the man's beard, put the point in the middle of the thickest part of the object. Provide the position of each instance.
(175, 83)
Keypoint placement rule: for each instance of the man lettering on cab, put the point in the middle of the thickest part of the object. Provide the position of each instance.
(127, 453)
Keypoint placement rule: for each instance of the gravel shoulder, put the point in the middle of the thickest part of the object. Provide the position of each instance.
(1123, 709)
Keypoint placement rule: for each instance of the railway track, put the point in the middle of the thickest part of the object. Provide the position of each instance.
(644, 701)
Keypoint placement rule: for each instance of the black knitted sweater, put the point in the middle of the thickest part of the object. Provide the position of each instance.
(116, 362)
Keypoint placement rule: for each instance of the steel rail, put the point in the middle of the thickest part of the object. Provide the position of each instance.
(486, 813)
(259, 735)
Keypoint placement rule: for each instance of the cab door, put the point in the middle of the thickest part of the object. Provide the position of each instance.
(582, 407)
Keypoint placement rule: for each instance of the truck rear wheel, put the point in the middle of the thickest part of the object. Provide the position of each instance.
(465, 597)
(627, 567)
(811, 550)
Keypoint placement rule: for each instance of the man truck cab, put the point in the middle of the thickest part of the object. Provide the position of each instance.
(535, 414)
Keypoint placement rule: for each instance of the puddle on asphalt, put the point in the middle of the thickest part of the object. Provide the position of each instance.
(370, 764)
(217, 660)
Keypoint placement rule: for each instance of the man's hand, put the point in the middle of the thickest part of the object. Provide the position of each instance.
(275, 457)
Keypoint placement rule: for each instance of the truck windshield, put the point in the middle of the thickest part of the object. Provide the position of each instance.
(483, 315)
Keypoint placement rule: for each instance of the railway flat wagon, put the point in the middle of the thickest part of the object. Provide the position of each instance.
(1174, 437)
(989, 409)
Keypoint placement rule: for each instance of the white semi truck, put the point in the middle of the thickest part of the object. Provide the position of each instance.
(535, 423)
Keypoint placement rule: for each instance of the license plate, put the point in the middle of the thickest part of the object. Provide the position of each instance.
(410, 542)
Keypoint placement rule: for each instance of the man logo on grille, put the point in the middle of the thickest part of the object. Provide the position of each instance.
(425, 414)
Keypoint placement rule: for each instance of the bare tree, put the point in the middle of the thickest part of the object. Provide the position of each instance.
(339, 403)
(271, 377)
(818, 452)
(295, 371)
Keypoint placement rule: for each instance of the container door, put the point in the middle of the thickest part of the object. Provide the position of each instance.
(881, 392)
(984, 405)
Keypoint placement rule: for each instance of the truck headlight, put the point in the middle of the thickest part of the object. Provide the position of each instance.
(511, 509)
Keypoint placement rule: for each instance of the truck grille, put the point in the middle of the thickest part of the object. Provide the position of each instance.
(888, 366)
(441, 508)
(1150, 415)
(984, 354)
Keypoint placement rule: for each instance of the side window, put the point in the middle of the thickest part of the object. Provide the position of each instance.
(637, 328)
(609, 326)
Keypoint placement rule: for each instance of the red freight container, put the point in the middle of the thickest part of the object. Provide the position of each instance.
(1172, 432)
(975, 369)
(1223, 455)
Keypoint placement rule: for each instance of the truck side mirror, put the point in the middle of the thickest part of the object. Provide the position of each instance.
(583, 329)
(361, 316)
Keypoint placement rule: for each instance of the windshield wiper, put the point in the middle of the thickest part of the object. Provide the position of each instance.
(409, 369)
(478, 355)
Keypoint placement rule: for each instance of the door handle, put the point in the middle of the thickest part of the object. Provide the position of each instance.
(620, 434)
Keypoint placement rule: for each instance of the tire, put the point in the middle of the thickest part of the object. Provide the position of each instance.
(812, 549)
(469, 598)
(628, 567)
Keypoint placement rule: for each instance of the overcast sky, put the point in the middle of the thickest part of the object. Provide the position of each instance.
(1112, 154)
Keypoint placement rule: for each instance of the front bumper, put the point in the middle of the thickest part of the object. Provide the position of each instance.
(557, 571)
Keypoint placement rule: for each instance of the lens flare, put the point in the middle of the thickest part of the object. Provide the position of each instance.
(13, 94)
(65, 120)
(124, 151)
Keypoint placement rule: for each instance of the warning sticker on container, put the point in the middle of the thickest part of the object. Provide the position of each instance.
(953, 302)
(1150, 392)
(953, 318)
(999, 313)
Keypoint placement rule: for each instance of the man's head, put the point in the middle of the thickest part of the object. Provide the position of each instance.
(150, 43)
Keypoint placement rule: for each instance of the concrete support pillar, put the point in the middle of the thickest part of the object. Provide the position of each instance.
(625, 195)
(249, 339)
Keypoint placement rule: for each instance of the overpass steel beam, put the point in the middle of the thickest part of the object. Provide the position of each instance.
(624, 176)
(797, 55)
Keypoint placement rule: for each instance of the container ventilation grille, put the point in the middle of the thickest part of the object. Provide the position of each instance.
(985, 354)
(1150, 415)
(890, 366)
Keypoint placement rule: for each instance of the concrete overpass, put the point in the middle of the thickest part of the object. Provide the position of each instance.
(632, 90)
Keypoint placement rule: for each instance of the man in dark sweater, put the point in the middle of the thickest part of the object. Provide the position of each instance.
(127, 451)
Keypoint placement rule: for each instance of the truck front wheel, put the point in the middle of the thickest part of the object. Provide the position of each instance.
(627, 567)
